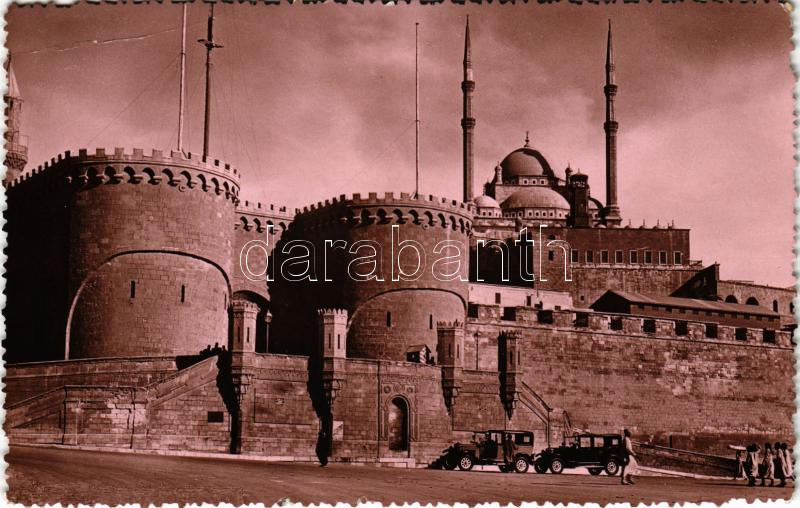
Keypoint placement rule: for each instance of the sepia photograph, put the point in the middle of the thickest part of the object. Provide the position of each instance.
(398, 252)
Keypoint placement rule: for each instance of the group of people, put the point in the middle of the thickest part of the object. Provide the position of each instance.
(774, 464)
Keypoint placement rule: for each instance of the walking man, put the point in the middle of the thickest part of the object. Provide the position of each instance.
(629, 465)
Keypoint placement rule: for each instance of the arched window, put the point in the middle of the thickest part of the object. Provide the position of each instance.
(775, 305)
(751, 301)
(731, 299)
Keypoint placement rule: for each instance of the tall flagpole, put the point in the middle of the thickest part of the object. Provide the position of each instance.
(210, 45)
(183, 78)
(416, 103)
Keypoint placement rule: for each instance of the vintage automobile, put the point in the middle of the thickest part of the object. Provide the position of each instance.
(596, 452)
(487, 448)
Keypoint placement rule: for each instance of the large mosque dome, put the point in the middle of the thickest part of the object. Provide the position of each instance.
(535, 198)
(525, 162)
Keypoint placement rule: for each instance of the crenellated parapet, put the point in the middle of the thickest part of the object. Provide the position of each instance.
(423, 210)
(259, 217)
(183, 171)
(628, 325)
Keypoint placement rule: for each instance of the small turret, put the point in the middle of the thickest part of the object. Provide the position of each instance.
(244, 326)
(450, 355)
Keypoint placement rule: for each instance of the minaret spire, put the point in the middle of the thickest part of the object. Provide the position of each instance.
(611, 126)
(15, 142)
(467, 121)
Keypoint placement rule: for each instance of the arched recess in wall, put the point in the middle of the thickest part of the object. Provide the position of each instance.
(262, 320)
(398, 424)
(93, 272)
(731, 299)
(775, 305)
(751, 301)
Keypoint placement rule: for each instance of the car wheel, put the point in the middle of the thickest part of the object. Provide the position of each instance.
(556, 466)
(450, 462)
(594, 471)
(612, 467)
(540, 467)
(521, 465)
(465, 463)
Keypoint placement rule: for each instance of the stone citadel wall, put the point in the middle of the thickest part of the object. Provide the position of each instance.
(257, 230)
(686, 390)
(600, 373)
(387, 316)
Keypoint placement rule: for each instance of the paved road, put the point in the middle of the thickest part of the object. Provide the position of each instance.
(46, 475)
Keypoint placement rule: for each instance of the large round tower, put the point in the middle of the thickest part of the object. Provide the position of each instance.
(149, 253)
(398, 306)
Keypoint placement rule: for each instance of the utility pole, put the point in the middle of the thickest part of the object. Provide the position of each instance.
(210, 45)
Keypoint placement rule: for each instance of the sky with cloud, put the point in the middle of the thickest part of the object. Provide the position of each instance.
(310, 102)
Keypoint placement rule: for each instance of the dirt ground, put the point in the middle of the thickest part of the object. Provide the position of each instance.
(46, 475)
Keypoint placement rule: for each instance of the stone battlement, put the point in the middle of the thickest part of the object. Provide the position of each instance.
(333, 312)
(426, 210)
(246, 207)
(174, 168)
(389, 199)
(512, 318)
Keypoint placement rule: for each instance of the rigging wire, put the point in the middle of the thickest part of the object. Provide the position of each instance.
(98, 42)
(138, 96)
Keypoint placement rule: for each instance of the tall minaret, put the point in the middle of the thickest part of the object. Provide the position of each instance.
(16, 148)
(611, 126)
(467, 121)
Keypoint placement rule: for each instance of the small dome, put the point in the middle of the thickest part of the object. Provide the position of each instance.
(535, 197)
(486, 202)
(525, 161)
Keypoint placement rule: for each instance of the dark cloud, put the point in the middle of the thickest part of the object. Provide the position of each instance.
(315, 101)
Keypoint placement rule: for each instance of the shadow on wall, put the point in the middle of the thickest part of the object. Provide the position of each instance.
(294, 303)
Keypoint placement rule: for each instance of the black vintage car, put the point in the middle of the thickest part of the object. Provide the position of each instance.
(488, 448)
(596, 452)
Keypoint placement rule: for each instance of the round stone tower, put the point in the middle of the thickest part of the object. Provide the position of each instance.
(382, 259)
(149, 253)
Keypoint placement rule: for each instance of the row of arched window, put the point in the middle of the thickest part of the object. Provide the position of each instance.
(754, 301)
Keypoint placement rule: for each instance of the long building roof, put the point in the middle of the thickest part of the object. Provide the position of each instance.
(691, 303)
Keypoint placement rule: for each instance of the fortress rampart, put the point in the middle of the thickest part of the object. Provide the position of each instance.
(688, 384)
(387, 316)
(257, 229)
(147, 247)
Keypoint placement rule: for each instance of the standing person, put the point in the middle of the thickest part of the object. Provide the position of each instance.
(780, 466)
(788, 467)
(629, 466)
(751, 464)
(769, 466)
(509, 450)
(740, 472)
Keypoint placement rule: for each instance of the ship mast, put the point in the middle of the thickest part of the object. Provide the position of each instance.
(183, 78)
